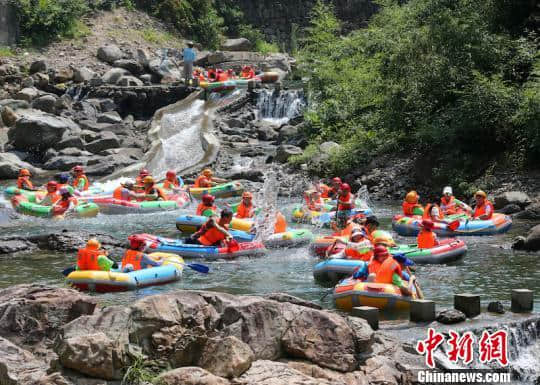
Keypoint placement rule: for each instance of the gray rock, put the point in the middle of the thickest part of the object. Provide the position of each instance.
(8, 70)
(531, 242)
(73, 151)
(63, 103)
(266, 132)
(64, 162)
(510, 209)
(253, 175)
(287, 133)
(130, 65)
(283, 297)
(69, 141)
(8, 116)
(329, 147)
(190, 375)
(83, 74)
(27, 82)
(450, 316)
(113, 75)
(107, 105)
(63, 75)
(38, 66)
(105, 141)
(10, 164)
(285, 151)
(117, 128)
(96, 82)
(228, 357)
(42, 80)
(532, 212)
(146, 79)
(14, 104)
(132, 153)
(143, 57)
(129, 81)
(108, 164)
(27, 94)
(50, 153)
(112, 117)
(37, 130)
(512, 197)
(46, 103)
(235, 123)
(109, 53)
(240, 44)
(496, 307)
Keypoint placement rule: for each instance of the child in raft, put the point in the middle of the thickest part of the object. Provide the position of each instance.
(206, 207)
(215, 232)
(135, 259)
(427, 239)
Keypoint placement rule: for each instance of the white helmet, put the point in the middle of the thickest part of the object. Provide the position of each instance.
(447, 190)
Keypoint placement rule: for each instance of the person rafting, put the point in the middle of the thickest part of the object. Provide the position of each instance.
(215, 232)
(371, 224)
(246, 209)
(358, 247)
(52, 195)
(335, 186)
(411, 206)
(92, 257)
(280, 226)
(24, 182)
(206, 207)
(172, 182)
(139, 184)
(484, 208)
(450, 205)
(427, 239)
(207, 179)
(66, 204)
(135, 259)
(380, 254)
(126, 191)
(222, 76)
(63, 180)
(316, 202)
(345, 202)
(391, 272)
(384, 238)
(212, 75)
(189, 57)
(321, 187)
(151, 191)
(247, 73)
(80, 181)
(432, 211)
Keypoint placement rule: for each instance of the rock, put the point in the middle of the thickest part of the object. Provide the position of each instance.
(132, 153)
(64, 162)
(83, 74)
(42, 80)
(37, 131)
(27, 82)
(143, 57)
(105, 141)
(8, 70)
(532, 212)
(519, 242)
(45, 103)
(266, 132)
(190, 376)
(287, 133)
(282, 297)
(164, 69)
(129, 81)
(147, 79)
(63, 103)
(240, 44)
(8, 116)
(38, 66)
(381, 370)
(27, 94)
(14, 104)
(228, 357)
(15, 245)
(235, 123)
(512, 197)
(496, 307)
(10, 164)
(329, 147)
(510, 209)
(531, 242)
(69, 141)
(450, 316)
(72, 151)
(285, 151)
(130, 65)
(109, 53)
(111, 117)
(327, 375)
(253, 175)
(63, 75)
(264, 372)
(113, 75)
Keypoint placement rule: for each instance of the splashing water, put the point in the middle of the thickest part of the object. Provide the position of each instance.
(279, 107)
(267, 197)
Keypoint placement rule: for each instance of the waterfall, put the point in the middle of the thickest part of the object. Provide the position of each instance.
(280, 106)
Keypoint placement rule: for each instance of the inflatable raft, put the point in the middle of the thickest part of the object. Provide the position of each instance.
(178, 247)
(115, 280)
(410, 226)
(23, 206)
(290, 238)
(192, 223)
(11, 191)
(301, 214)
(352, 293)
(450, 250)
(111, 206)
(225, 190)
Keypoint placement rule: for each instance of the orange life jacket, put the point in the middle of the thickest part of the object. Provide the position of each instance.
(324, 190)
(244, 211)
(345, 202)
(281, 224)
(222, 76)
(315, 205)
(117, 193)
(212, 236)
(169, 185)
(202, 181)
(374, 266)
(363, 253)
(134, 258)
(78, 178)
(87, 259)
(481, 210)
(62, 205)
(23, 182)
(408, 208)
(347, 231)
(247, 73)
(387, 270)
(448, 206)
(426, 239)
(202, 208)
(152, 189)
(51, 197)
(427, 212)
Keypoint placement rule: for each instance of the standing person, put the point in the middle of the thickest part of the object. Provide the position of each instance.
(484, 208)
(189, 57)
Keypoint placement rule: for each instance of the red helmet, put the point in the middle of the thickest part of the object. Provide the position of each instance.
(135, 243)
(336, 180)
(380, 251)
(208, 199)
(345, 187)
(144, 172)
(52, 184)
(24, 172)
(78, 169)
(171, 173)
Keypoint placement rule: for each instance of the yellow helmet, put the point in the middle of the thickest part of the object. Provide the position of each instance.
(480, 193)
(93, 244)
(381, 237)
(24, 172)
(148, 179)
(207, 172)
(411, 197)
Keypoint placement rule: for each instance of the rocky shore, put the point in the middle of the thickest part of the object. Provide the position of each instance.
(60, 336)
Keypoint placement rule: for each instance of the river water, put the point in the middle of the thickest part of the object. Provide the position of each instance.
(490, 268)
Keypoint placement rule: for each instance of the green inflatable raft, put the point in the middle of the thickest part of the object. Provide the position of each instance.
(83, 210)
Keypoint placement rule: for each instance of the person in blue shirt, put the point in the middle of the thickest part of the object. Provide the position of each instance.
(189, 58)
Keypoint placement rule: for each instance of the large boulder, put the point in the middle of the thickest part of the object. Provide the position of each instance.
(63, 75)
(133, 66)
(10, 164)
(105, 141)
(285, 151)
(329, 147)
(83, 74)
(240, 44)
(529, 243)
(129, 81)
(264, 372)
(190, 375)
(228, 357)
(109, 53)
(27, 94)
(37, 130)
(38, 66)
(113, 75)
(512, 197)
(45, 103)
(531, 212)
(111, 117)
(14, 104)
(64, 162)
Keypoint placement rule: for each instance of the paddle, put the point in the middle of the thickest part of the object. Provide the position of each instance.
(199, 267)
(416, 285)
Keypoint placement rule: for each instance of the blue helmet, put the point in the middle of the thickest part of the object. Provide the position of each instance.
(63, 177)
